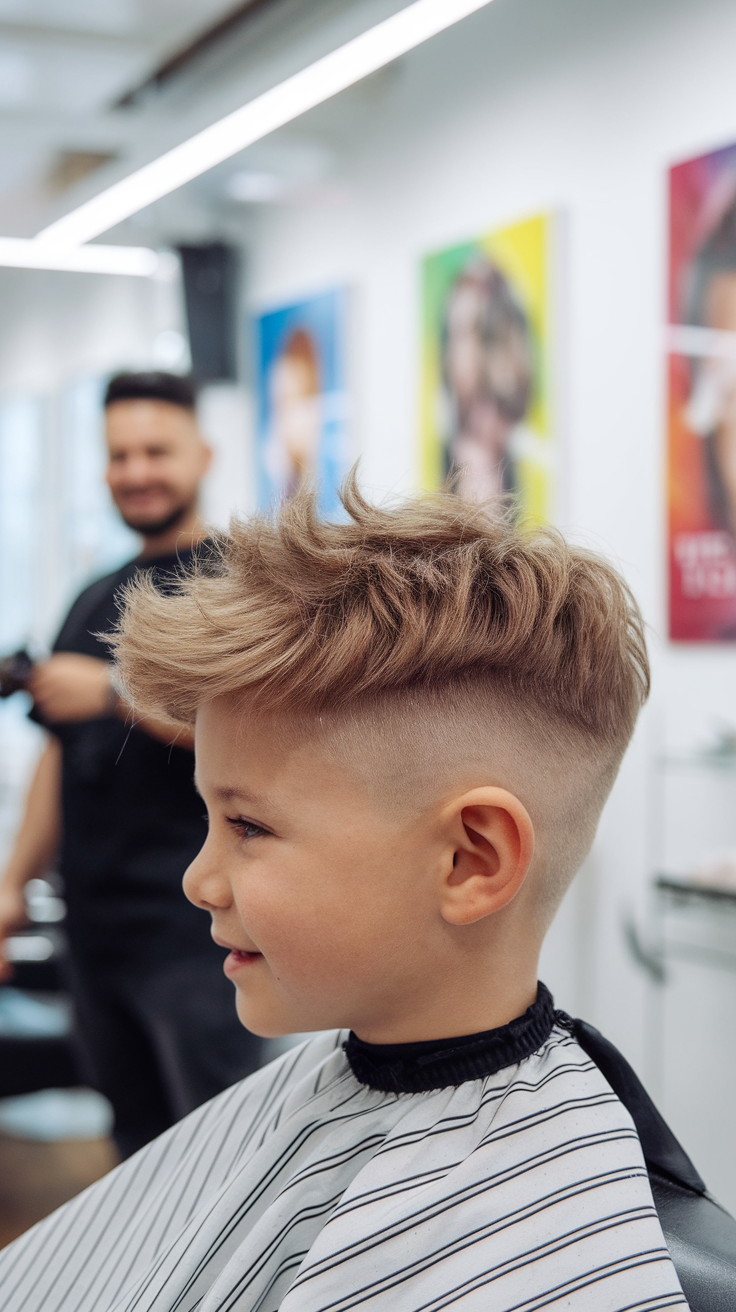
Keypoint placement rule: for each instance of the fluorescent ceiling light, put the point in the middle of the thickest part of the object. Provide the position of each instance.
(23, 253)
(283, 103)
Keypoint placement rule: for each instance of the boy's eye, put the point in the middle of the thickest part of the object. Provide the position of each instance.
(246, 828)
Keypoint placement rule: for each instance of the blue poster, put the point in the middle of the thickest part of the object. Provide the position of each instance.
(302, 430)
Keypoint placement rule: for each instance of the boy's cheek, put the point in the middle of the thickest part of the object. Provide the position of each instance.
(287, 924)
(316, 930)
(270, 1007)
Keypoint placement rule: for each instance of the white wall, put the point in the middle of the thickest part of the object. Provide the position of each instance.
(580, 107)
(54, 326)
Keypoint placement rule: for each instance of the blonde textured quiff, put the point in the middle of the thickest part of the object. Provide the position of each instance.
(303, 616)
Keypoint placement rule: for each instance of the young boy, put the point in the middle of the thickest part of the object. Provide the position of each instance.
(406, 728)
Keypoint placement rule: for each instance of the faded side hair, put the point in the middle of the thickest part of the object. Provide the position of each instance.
(433, 594)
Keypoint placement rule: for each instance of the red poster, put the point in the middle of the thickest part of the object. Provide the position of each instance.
(701, 489)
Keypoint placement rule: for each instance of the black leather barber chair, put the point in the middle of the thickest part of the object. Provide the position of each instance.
(700, 1235)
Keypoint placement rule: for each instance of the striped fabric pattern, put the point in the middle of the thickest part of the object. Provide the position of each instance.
(301, 1189)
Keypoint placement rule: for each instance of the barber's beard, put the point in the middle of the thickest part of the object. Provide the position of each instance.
(154, 528)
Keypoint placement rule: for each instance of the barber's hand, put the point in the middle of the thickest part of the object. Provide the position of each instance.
(12, 916)
(71, 687)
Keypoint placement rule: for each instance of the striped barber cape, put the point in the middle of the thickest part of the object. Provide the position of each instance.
(307, 1189)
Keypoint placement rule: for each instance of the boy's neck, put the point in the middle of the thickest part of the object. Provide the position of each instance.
(440, 1063)
(459, 1012)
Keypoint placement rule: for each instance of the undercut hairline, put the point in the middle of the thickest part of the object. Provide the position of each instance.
(400, 747)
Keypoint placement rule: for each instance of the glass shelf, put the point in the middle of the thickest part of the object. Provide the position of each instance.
(725, 762)
(696, 924)
(691, 888)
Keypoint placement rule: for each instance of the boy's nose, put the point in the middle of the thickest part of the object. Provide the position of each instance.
(204, 884)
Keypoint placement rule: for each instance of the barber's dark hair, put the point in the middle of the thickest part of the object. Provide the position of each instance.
(153, 386)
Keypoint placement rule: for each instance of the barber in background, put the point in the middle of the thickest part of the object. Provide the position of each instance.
(117, 803)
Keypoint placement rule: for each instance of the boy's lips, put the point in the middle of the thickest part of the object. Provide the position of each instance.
(237, 956)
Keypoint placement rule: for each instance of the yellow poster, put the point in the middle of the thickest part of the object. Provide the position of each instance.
(485, 402)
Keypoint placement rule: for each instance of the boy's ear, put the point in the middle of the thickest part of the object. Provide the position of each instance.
(492, 849)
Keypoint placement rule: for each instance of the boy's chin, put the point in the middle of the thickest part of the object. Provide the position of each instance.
(271, 1023)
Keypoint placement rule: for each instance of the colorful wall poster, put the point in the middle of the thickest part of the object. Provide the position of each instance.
(701, 420)
(486, 347)
(302, 429)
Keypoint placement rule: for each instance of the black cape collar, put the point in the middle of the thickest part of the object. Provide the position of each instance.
(439, 1063)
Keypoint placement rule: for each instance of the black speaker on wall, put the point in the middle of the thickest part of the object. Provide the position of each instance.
(211, 278)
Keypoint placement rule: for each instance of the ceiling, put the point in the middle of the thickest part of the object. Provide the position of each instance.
(65, 66)
(92, 89)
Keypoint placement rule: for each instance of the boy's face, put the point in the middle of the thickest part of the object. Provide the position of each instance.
(330, 906)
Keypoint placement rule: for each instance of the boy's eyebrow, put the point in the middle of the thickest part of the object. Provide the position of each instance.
(224, 794)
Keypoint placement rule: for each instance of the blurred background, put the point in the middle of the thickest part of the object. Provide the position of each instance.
(510, 252)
